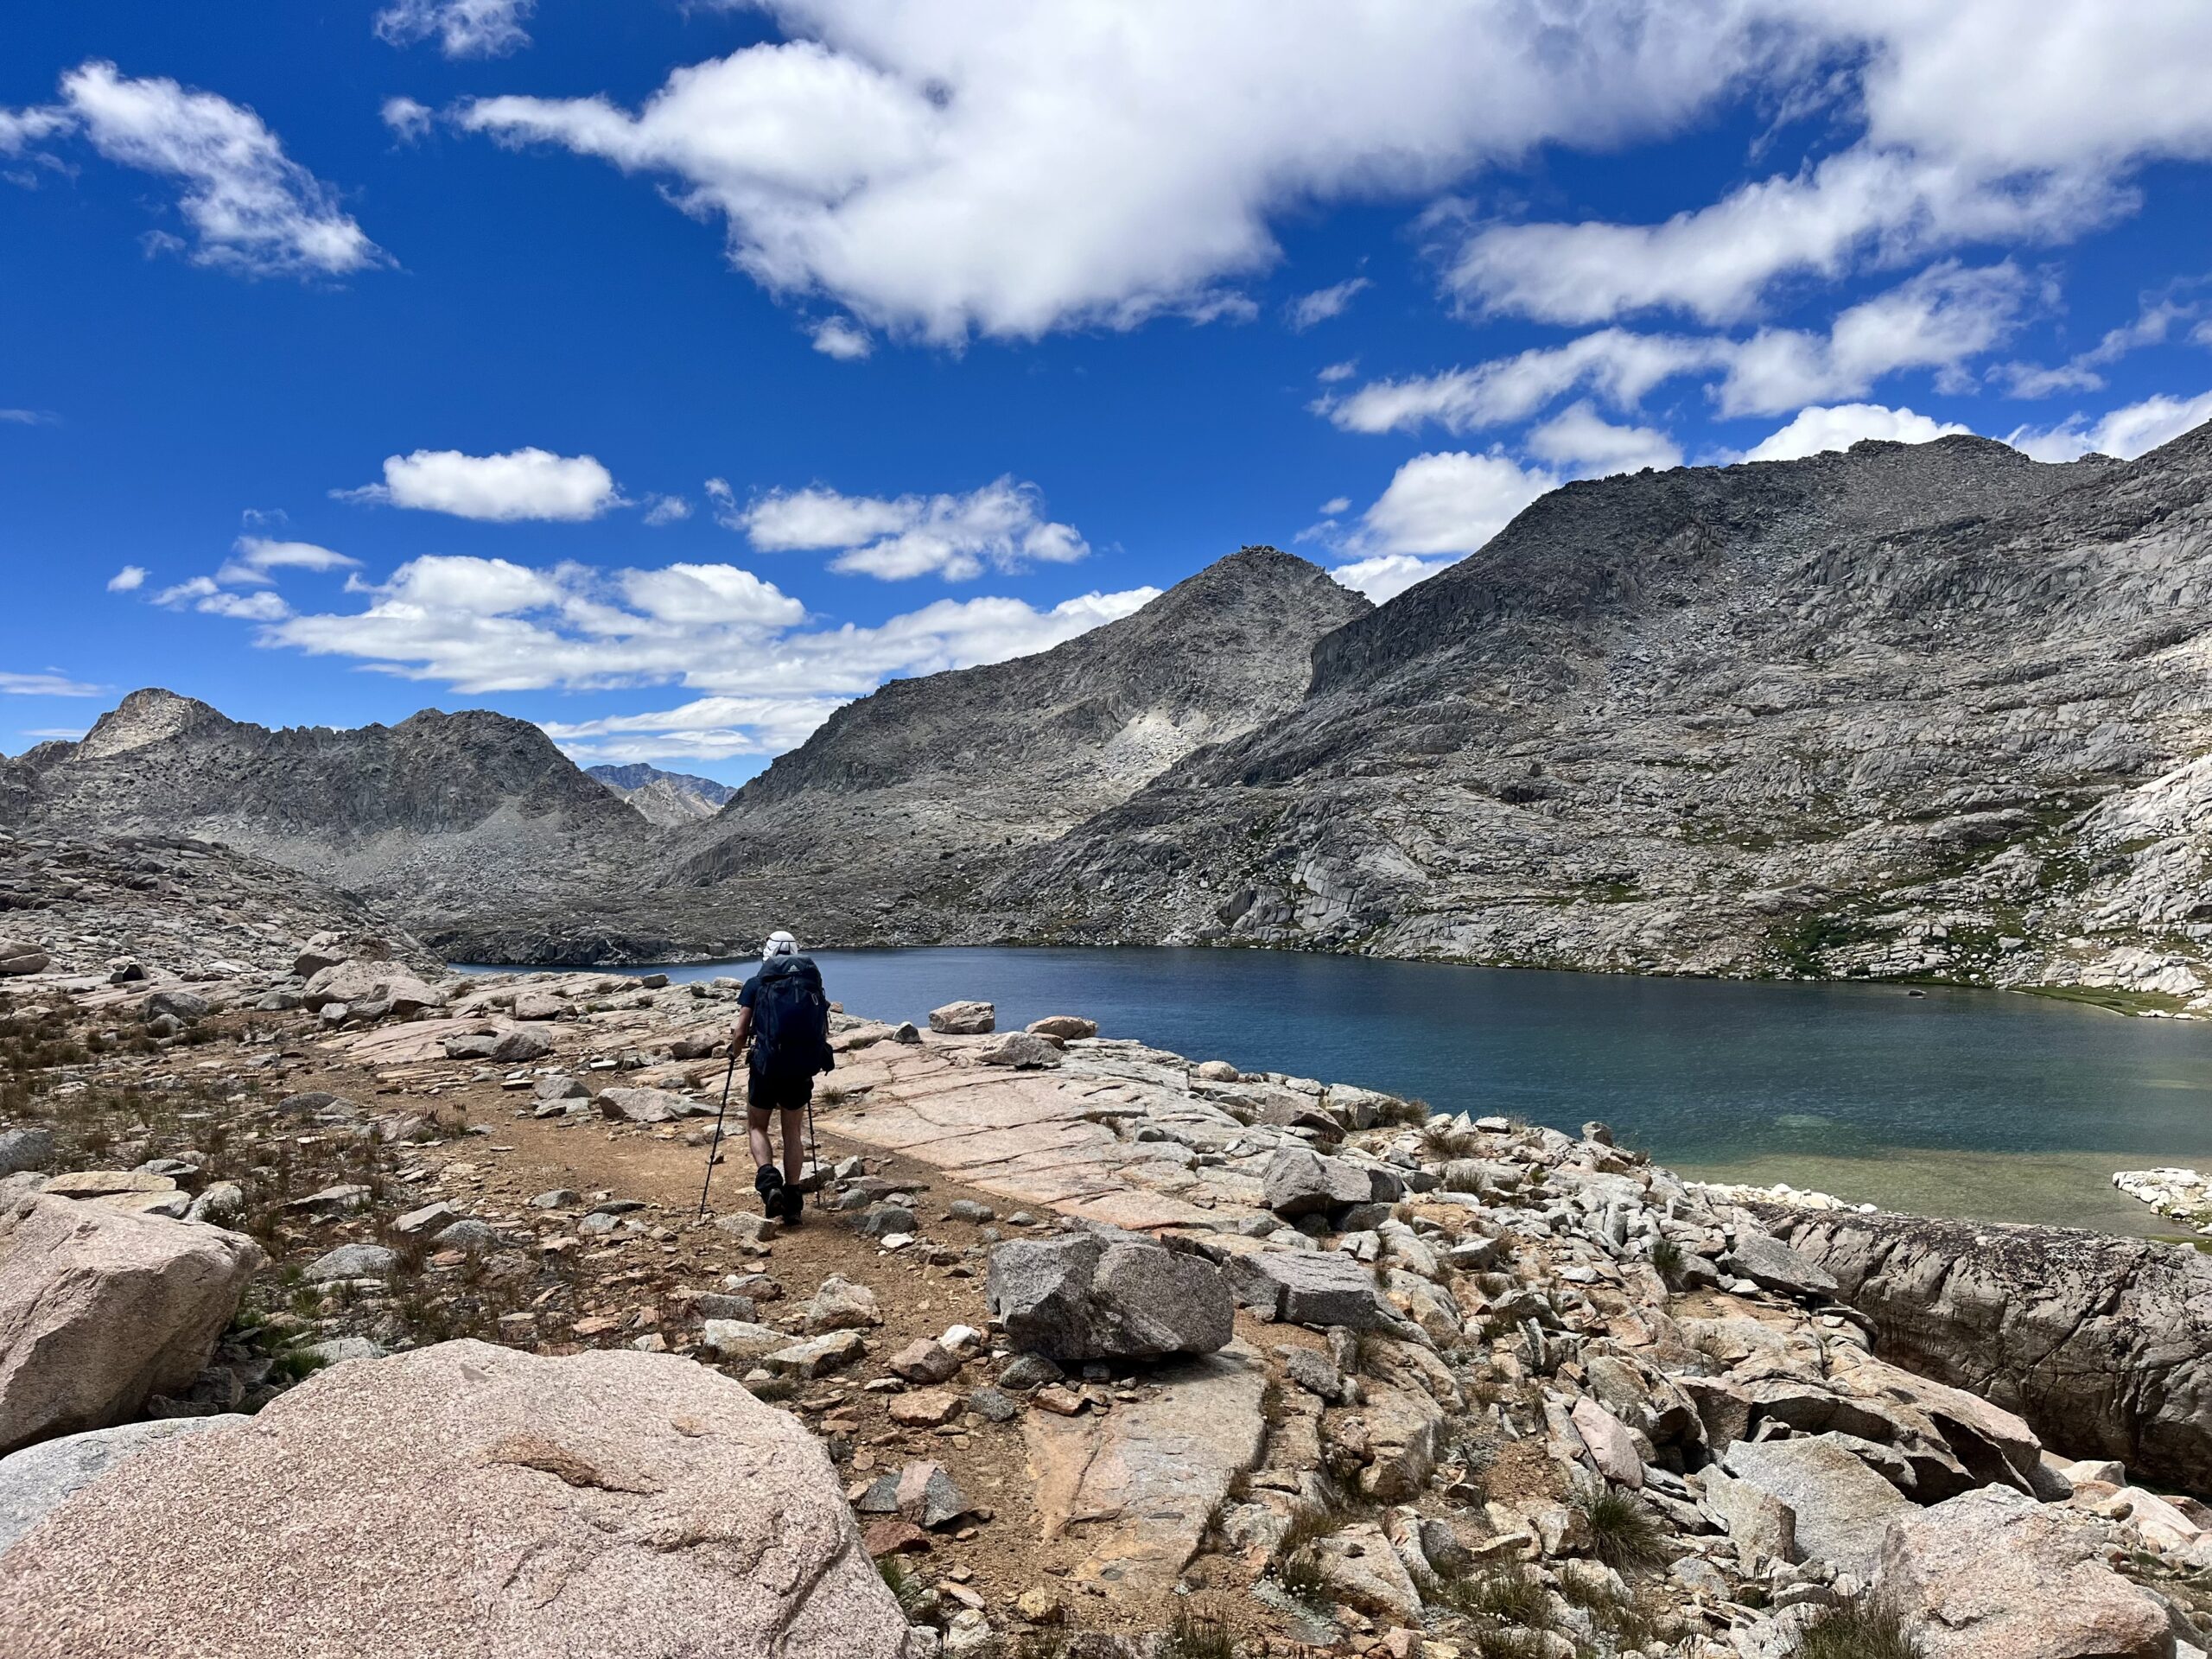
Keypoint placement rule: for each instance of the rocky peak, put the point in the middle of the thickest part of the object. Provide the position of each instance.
(145, 717)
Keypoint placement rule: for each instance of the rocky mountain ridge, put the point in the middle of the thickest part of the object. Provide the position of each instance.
(455, 820)
(1932, 711)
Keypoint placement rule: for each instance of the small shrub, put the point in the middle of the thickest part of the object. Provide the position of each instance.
(904, 1583)
(1862, 1630)
(1515, 1597)
(1193, 1636)
(1625, 1536)
(1667, 1258)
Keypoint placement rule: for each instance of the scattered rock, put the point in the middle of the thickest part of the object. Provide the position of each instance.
(18, 957)
(351, 1262)
(841, 1305)
(1303, 1183)
(819, 1356)
(1773, 1265)
(930, 1497)
(926, 1361)
(1318, 1289)
(924, 1408)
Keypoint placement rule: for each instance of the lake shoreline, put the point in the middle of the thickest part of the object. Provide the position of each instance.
(1934, 1100)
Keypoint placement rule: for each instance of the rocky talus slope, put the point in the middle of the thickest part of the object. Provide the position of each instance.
(1094, 1348)
(1908, 711)
(886, 824)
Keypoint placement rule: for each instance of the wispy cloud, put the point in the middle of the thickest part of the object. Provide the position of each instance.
(463, 29)
(51, 684)
(250, 207)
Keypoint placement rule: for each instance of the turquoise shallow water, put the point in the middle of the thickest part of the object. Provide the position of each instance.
(1969, 1102)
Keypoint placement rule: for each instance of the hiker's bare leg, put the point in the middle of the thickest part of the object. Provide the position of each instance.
(756, 1131)
(794, 1145)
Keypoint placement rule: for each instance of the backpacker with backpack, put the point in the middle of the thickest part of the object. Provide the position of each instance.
(791, 1021)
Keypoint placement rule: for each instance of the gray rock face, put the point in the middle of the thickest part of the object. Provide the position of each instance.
(100, 1308)
(1990, 1575)
(1841, 1510)
(1083, 1296)
(2103, 1344)
(483, 1461)
(35, 1480)
(18, 956)
(1301, 1183)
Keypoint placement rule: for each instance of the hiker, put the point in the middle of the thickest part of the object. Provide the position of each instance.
(783, 1010)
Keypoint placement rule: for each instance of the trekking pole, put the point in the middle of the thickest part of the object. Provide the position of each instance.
(814, 1152)
(716, 1150)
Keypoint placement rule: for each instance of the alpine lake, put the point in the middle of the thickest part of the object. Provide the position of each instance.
(1934, 1100)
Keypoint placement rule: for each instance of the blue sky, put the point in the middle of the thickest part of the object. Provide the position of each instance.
(666, 373)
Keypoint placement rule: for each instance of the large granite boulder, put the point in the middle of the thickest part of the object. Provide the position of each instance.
(1086, 1296)
(1314, 1287)
(20, 956)
(964, 1019)
(1840, 1509)
(100, 1308)
(2103, 1344)
(464, 1502)
(378, 984)
(1301, 1182)
(1991, 1574)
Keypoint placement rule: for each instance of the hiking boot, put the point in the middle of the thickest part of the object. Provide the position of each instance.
(793, 1206)
(768, 1182)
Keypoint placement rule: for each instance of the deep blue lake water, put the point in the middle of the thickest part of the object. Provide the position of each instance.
(1970, 1102)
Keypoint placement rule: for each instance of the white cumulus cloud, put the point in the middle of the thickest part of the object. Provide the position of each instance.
(1585, 444)
(1000, 526)
(250, 207)
(254, 557)
(2126, 432)
(1437, 509)
(1812, 431)
(129, 579)
(946, 168)
(463, 29)
(524, 484)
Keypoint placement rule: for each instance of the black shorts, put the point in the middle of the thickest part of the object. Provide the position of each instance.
(767, 1094)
